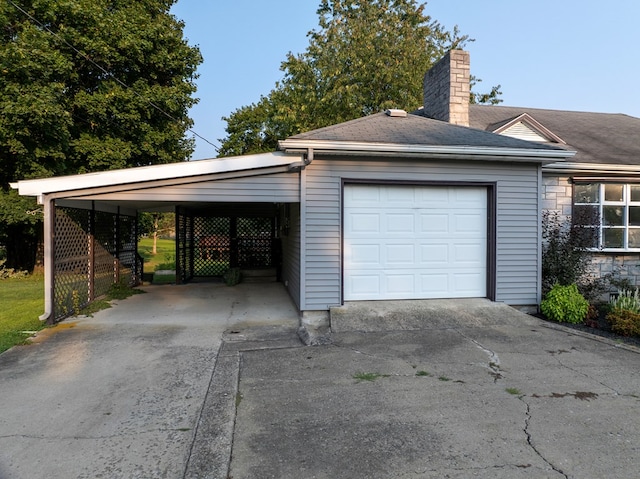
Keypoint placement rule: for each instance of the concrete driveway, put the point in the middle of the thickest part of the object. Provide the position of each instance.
(483, 392)
(153, 388)
(120, 395)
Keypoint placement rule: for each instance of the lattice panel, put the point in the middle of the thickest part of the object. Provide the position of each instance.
(127, 250)
(211, 246)
(104, 249)
(87, 246)
(184, 259)
(254, 242)
(71, 261)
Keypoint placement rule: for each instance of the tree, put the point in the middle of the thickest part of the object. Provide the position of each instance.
(365, 57)
(155, 225)
(89, 85)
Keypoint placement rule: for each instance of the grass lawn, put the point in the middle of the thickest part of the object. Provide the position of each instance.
(166, 253)
(22, 301)
(165, 258)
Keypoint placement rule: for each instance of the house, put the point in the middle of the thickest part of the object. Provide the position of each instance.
(445, 202)
(604, 174)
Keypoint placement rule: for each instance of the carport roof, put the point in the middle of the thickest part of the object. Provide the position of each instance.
(143, 174)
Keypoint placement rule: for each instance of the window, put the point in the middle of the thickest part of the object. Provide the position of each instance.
(617, 209)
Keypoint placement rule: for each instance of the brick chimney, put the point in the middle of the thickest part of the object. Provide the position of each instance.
(446, 89)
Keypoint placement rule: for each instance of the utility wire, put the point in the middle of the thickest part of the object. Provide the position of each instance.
(105, 71)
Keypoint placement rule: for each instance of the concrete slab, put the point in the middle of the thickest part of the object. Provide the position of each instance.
(511, 398)
(371, 316)
(122, 394)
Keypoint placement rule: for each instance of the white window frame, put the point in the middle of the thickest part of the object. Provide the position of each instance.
(625, 204)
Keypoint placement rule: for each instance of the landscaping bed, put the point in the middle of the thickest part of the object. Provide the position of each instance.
(599, 327)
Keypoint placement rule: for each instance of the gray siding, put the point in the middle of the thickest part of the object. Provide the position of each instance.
(517, 221)
(278, 188)
(291, 255)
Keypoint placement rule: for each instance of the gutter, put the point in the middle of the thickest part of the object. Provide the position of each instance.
(333, 147)
(602, 168)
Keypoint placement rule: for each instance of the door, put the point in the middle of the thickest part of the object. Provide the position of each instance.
(414, 242)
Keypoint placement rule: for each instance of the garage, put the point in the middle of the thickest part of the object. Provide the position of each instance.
(414, 241)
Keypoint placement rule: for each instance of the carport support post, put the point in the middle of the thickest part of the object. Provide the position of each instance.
(91, 240)
(49, 238)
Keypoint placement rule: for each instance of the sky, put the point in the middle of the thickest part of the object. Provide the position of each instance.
(581, 55)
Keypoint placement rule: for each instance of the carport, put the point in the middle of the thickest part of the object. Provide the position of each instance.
(231, 212)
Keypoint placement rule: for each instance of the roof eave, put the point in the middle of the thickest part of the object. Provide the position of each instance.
(145, 174)
(335, 147)
(601, 168)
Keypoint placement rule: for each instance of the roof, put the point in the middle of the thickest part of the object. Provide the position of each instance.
(414, 133)
(177, 171)
(610, 138)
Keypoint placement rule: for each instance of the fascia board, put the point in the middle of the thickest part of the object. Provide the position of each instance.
(327, 146)
(569, 167)
(145, 174)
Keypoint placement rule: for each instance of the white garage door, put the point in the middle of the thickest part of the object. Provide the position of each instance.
(414, 242)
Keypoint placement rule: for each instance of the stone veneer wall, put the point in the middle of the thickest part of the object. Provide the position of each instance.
(557, 193)
(446, 89)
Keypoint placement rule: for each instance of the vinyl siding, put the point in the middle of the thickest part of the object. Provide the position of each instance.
(291, 255)
(517, 223)
(274, 188)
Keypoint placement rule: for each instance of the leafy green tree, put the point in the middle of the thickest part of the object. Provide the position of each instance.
(89, 85)
(366, 56)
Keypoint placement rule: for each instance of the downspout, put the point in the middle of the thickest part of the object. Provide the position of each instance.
(309, 157)
(49, 238)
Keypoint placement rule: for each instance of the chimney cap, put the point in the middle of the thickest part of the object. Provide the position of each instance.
(393, 112)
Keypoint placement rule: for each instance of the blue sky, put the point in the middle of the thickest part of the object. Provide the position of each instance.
(579, 55)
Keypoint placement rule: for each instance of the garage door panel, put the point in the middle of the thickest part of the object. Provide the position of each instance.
(400, 254)
(431, 223)
(400, 284)
(365, 254)
(470, 223)
(398, 223)
(364, 223)
(434, 254)
(405, 242)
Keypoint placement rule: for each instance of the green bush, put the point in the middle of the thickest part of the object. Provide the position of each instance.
(565, 304)
(624, 322)
(567, 245)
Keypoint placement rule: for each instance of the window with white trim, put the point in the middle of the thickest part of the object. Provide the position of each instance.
(618, 208)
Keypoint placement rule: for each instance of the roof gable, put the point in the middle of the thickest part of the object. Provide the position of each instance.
(525, 127)
(599, 138)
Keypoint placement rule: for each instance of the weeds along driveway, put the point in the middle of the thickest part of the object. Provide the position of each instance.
(509, 400)
(119, 395)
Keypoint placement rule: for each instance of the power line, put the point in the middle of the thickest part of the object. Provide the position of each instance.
(108, 73)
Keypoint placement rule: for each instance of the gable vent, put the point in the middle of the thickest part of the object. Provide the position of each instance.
(523, 132)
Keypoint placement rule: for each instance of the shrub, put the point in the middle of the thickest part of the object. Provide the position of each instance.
(566, 252)
(565, 304)
(232, 276)
(628, 300)
(624, 322)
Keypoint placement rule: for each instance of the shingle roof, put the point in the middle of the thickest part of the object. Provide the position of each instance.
(415, 129)
(597, 137)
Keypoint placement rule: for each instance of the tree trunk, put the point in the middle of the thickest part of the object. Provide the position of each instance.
(154, 251)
